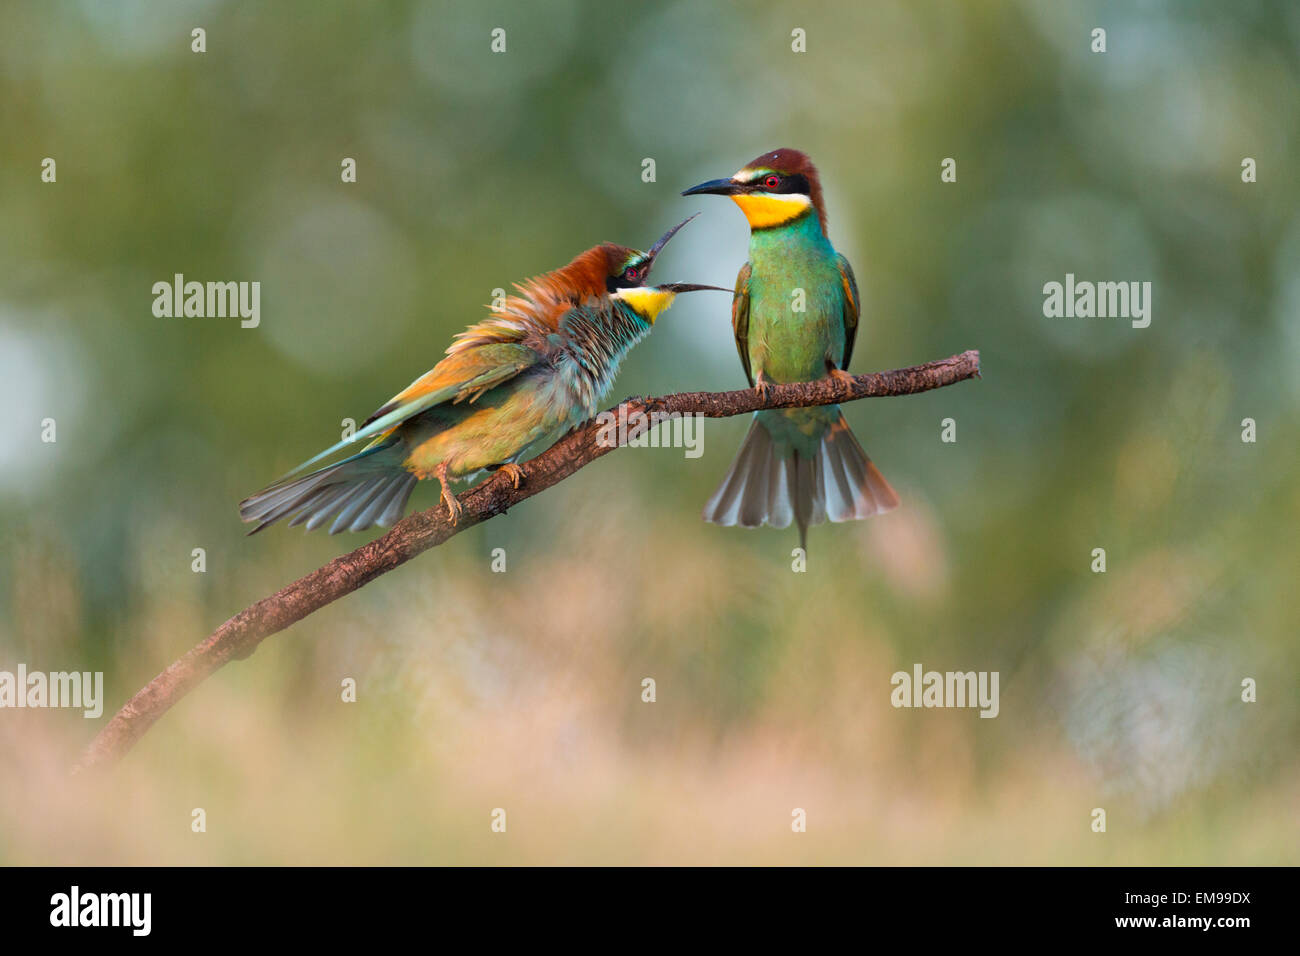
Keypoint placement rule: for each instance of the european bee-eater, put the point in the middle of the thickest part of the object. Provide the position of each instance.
(800, 464)
(510, 385)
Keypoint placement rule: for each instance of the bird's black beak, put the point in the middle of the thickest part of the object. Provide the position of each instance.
(663, 241)
(716, 187)
(677, 287)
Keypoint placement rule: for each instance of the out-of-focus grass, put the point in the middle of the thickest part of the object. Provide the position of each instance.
(522, 691)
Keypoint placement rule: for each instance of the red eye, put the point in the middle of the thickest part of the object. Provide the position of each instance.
(631, 274)
(772, 182)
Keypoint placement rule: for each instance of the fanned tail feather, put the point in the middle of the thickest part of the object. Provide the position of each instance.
(771, 485)
(358, 493)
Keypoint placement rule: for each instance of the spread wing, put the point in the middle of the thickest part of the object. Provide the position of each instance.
(469, 370)
(740, 319)
(852, 309)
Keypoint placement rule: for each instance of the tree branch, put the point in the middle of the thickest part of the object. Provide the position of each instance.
(240, 636)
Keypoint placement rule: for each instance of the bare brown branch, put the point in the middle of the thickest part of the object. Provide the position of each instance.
(240, 636)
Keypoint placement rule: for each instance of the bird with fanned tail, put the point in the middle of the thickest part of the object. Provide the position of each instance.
(795, 464)
(509, 386)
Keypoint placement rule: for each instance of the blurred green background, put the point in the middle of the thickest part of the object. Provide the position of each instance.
(522, 690)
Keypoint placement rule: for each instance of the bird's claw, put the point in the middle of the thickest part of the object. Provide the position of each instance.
(454, 507)
(762, 386)
(843, 377)
(515, 472)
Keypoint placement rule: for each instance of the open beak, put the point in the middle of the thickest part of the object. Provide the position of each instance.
(676, 287)
(716, 187)
(673, 288)
(663, 241)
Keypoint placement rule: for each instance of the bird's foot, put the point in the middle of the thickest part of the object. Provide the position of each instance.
(762, 386)
(841, 376)
(515, 472)
(454, 507)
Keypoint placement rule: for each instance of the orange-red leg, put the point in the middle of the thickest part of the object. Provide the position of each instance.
(454, 507)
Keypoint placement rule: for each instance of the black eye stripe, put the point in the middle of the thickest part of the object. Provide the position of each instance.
(794, 183)
(621, 281)
(797, 183)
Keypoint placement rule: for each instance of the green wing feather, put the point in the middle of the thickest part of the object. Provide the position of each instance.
(740, 318)
(852, 310)
(462, 375)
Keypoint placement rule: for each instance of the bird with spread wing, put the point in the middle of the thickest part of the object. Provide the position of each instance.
(509, 386)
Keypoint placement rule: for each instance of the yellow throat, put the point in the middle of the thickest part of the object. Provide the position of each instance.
(646, 300)
(771, 209)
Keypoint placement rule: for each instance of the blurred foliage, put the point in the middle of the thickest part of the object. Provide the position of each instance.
(522, 690)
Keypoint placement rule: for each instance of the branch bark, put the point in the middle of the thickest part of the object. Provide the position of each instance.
(239, 637)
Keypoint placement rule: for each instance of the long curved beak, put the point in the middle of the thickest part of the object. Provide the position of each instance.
(676, 287)
(663, 241)
(716, 187)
